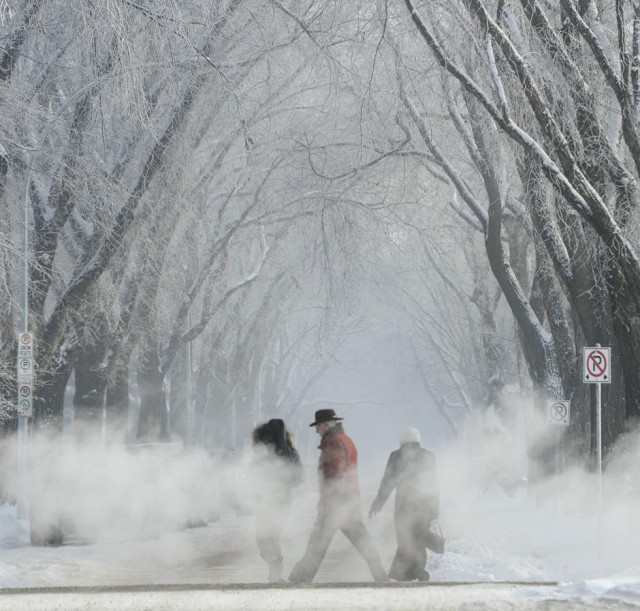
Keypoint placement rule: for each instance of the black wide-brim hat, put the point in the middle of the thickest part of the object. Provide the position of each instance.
(325, 415)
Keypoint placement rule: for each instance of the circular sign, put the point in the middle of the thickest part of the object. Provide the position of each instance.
(25, 408)
(558, 412)
(596, 363)
(25, 391)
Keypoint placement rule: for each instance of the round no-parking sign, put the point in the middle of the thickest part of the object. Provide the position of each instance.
(559, 413)
(597, 365)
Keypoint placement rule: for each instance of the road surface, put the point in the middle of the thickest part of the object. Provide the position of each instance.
(311, 597)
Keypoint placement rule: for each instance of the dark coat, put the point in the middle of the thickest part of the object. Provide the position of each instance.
(411, 471)
(276, 464)
(276, 470)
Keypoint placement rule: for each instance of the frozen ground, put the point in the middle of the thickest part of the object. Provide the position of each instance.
(491, 538)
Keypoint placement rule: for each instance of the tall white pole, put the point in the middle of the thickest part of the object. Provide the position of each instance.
(22, 505)
(599, 461)
(190, 403)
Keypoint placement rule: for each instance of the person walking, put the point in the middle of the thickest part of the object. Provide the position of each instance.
(411, 471)
(277, 470)
(339, 506)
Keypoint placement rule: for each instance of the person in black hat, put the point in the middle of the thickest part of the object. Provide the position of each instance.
(277, 470)
(339, 507)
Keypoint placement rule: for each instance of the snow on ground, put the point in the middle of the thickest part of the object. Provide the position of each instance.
(550, 534)
(491, 538)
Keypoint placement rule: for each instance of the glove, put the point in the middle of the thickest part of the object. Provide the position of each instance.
(375, 508)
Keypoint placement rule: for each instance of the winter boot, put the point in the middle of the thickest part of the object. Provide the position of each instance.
(275, 571)
(424, 576)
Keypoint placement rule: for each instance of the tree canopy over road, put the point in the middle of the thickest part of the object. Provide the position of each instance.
(218, 191)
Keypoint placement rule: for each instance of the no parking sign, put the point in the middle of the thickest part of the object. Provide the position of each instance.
(559, 413)
(597, 365)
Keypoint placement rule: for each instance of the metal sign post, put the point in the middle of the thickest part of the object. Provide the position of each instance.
(558, 415)
(25, 376)
(191, 416)
(597, 370)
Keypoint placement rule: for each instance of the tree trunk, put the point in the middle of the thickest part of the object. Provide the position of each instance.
(492, 349)
(117, 400)
(201, 391)
(153, 422)
(49, 394)
(90, 383)
(178, 397)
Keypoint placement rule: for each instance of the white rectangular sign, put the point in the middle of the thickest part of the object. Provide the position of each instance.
(25, 369)
(597, 365)
(25, 407)
(558, 412)
(25, 345)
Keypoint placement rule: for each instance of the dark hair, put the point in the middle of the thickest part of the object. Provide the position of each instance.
(274, 433)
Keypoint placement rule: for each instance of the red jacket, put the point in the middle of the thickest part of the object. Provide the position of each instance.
(338, 468)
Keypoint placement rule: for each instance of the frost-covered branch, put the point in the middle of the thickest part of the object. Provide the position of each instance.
(621, 86)
(467, 196)
(177, 340)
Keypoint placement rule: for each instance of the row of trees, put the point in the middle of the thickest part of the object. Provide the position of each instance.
(544, 100)
(166, 205)
(212, 185)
